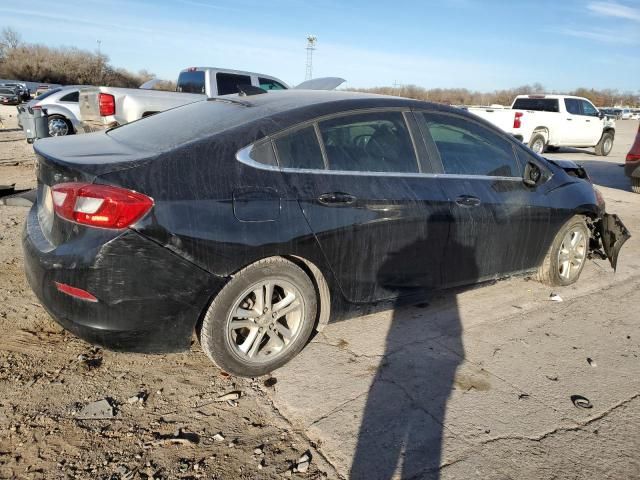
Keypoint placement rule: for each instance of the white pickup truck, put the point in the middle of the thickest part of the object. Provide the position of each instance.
(104, 107)
(548, 122)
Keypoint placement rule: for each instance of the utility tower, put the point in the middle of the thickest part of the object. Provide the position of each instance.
(311, 46)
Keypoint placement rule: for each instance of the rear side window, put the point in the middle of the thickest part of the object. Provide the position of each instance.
(573, 106)
(71, 97)
(369, 142)
(228, 82)
(268, 84)
(46, 93)
(191, 82)
(537, 104)
(300, 149)
(468, 148)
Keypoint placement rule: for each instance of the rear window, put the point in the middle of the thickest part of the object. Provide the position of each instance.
(51, 91)
(181, 125)
(537, 104)
(191, 82)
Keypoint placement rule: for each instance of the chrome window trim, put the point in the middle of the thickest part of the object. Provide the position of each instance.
(243, 156)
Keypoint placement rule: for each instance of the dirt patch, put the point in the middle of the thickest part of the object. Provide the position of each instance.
(165, 421)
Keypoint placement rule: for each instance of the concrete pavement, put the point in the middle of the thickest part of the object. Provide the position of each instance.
(478, 383)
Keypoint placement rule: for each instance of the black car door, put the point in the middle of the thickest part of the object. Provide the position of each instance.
(379, 219)
(502, 225)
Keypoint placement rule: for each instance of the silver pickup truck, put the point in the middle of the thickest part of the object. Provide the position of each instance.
(105, 107)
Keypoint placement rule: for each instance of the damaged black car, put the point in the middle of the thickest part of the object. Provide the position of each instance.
(253, 220)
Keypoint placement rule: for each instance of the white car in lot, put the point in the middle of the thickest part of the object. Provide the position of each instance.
(548, 122)
(63, 110)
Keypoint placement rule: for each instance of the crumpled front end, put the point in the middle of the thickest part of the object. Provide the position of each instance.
(608, 236)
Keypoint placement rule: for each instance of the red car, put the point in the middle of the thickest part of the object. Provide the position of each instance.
(632, 164)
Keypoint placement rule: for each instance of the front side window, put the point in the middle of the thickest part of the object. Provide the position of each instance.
(369, 142)
(228, 82)
(468, 148)
(268, 84)
(300, 149)
(573, 106)
(588, 109)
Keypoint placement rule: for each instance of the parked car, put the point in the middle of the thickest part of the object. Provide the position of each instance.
(254, 220)
(63, 110)
(9, 96)
(41, 89)
(612, 113)
(103, 107)
(632, 164)
(548, 122)
(23, 91)
(626, 114)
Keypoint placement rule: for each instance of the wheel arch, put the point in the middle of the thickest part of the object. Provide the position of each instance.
(322, 289)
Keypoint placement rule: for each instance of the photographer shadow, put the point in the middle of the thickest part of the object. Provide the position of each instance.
(402, 430)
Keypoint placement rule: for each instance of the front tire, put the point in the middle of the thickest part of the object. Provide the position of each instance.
(605, 145)
(567, 255)
(261, 319)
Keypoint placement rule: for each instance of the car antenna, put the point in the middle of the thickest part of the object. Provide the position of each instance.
(248, 90)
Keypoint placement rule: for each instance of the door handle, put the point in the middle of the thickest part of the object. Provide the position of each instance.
(336, 199)
(468, 201)
(569, 119)
(588, 120)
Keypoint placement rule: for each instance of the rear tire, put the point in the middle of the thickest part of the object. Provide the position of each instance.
(245, 331)
(567, 255)
(538, 143)
(635, 185)
(59, 126)
(605, 145)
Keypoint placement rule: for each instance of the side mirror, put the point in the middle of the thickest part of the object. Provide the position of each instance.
(532, 174)
(601, 115)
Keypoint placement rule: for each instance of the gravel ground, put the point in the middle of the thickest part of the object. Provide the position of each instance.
(166, 421)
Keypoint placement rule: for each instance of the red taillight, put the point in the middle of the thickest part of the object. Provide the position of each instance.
(75, 292)
(517, 122)
(99, 205)
(634, 153)
(107, 104)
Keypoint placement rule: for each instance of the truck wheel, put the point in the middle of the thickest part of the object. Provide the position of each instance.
(537, 143)
(635, 185)
(605, 145)
(567, 255)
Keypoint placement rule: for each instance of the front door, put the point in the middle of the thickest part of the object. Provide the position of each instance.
(379, 219)
(499, 225)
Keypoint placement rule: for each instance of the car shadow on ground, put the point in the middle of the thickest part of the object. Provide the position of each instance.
(402, 428)
(584, 151)
(607, 174)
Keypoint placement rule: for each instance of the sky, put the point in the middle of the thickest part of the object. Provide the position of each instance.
(477, 44)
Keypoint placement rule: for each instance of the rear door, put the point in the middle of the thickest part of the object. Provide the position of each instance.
(376, 211)
(574, 132)
(498, 225)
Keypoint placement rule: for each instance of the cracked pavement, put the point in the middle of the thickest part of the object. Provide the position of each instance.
(478, 382)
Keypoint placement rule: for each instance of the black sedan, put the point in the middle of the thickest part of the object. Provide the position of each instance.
(254, 219)
(9, 96)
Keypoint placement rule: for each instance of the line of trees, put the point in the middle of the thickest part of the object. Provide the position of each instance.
(462, 96)
(65, 65)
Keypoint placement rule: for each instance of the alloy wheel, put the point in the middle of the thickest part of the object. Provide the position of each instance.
(572, 253)
(58, 127)
(265, 320)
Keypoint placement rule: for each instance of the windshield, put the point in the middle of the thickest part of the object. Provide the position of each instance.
(44, 95)
(191, 82)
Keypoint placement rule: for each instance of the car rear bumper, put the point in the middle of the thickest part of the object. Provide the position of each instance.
(632, 169)
(148, 298)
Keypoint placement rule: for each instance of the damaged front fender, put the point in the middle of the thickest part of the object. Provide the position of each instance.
(612, 234)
